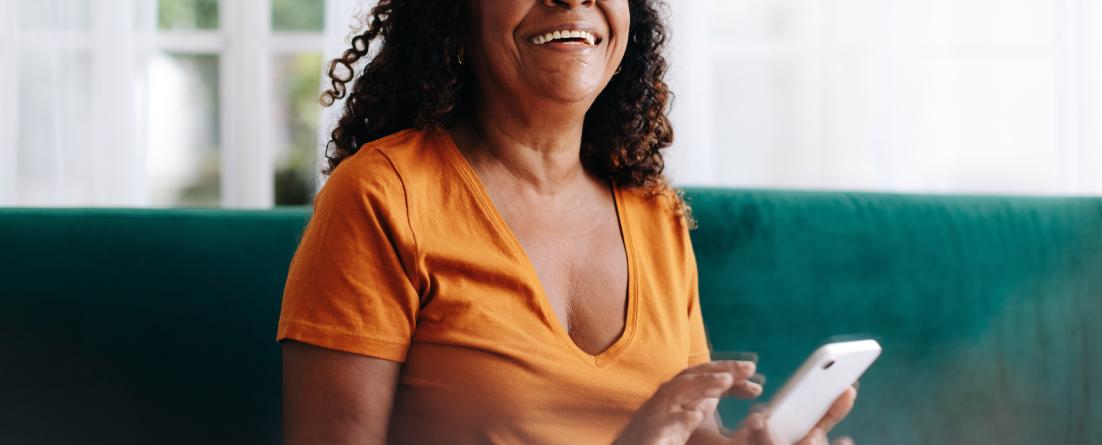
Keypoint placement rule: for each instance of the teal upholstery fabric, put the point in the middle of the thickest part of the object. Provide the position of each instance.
(987, 308)
(142, 326)
(157, 326)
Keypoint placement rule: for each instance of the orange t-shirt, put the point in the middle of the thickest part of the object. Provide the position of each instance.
(406, 259)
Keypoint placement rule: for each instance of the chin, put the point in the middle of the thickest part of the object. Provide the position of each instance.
(578, 91)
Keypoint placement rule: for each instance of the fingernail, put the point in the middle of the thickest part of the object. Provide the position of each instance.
(756, 422)
(746, 366)
(753, 387)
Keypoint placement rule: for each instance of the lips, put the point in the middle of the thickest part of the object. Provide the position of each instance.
(565, 36)
(578, 34)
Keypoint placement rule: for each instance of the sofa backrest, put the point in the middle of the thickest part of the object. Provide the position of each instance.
(157, 326)
(142, 326)
(989, 309)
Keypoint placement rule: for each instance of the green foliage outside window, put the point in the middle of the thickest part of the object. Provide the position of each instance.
(300, 77)
(297, 79)
(298, 15)
(205, 191)
(187, 14)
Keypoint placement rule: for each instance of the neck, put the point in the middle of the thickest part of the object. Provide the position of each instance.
(538, 148)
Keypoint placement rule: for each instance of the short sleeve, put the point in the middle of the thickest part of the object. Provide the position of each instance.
(348, 287)
(698, 340)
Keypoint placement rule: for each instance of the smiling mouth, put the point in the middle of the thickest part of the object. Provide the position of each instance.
(566, 37)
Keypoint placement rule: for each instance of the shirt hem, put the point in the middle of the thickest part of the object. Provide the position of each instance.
(340, 340)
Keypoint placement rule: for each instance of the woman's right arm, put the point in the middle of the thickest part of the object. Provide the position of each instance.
(335, 397)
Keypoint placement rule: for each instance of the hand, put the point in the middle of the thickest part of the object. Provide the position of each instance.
(755, 430)
(680, 405)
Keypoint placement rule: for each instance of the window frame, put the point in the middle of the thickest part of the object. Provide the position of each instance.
(245, 44)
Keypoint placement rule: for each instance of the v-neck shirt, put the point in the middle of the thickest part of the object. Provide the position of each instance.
(406, 259)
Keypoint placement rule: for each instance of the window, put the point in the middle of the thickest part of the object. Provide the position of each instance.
(159, 103)
(213, 102)
(233, 102)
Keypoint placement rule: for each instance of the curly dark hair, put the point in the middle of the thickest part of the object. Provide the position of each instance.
(415, 80)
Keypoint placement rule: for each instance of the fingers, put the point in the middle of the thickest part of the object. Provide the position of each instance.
(841, 408)
(686, 391)
(683, 403)
(683, 423)
(819, 437)
(740, 370)
(746, 384)
(747, 389)
(755, 431)
(678, 426)
(714, 379)
(816, 437)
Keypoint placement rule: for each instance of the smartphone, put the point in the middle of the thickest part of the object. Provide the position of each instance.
(808, 395)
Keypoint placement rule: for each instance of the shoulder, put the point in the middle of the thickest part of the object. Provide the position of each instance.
(659, 221)
(663, 210)
(366, 178)
(415, 159)
(364, 198)
(373, 159)
(382, 168)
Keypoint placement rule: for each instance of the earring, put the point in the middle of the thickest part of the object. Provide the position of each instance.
(618, 70)
(459, 56)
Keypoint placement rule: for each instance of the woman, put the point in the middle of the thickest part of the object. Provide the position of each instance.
(496, 257)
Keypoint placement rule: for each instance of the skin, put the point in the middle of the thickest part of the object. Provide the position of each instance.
(523, 138)
(524, 142)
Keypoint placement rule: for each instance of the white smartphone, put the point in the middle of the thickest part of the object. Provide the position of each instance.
(808, 395)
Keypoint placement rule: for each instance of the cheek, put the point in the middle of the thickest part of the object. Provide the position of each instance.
(619, 22)
(494, 22)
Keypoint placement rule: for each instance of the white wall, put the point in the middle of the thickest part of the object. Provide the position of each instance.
(932, 96)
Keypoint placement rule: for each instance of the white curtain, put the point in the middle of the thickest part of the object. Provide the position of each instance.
(71, 102)
(900, 95)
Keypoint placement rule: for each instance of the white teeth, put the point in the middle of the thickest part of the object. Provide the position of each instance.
(590, 39)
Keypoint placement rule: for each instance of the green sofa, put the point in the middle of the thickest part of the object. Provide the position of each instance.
(157, 326)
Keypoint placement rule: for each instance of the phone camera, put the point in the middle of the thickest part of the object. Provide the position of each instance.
(828, 364)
